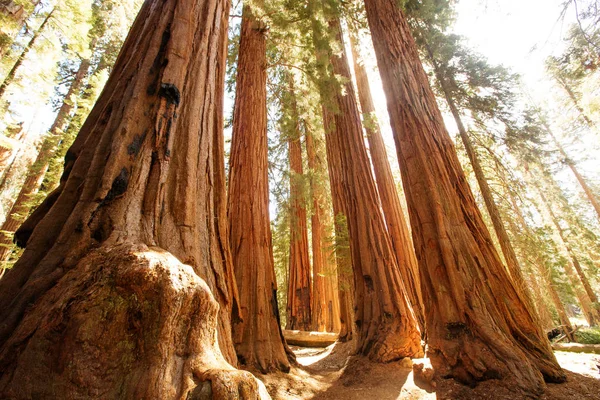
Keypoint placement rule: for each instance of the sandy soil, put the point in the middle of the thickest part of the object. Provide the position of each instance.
(332, 373)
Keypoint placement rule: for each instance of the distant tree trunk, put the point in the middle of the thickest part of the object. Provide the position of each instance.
(390, 202)
(478, 324)
(343, 256)
(13, 71)
(541, 267)
(319, 301)
(562, 82)
(35, 175)
(101, 293)
(386, 326)
(573, 167)
(17, 12)
(587, 298)
(325, 305)
(299, 285)
(257, 336)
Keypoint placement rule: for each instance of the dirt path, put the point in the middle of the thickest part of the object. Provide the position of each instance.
(331, 373)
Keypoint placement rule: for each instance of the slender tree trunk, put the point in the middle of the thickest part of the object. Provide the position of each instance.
(386, 325)
(567, 88)
(143, 190)
(257, 334)
(13, 71)
(390, 202)
(325, 305)
(573, 167)
(543, 271)
(35, 176)
(587, 297)
(299, 286)
(19, 15)
(478, 324)
(319, 299)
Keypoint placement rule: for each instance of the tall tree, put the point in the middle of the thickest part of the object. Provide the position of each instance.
(299, 285)
(12, 19)
(143, 189)
(325, 305)
(257, 333)
(386, 326)
(390, 202)
(449, 89)
(8, 79)
(573, 167)
(472, 336)
(35, 175)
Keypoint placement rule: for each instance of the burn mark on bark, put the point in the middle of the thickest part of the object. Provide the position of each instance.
(160, 61)
(170, 92)
(369, 283)
(136, 145)
(455, 330)
(119, 186)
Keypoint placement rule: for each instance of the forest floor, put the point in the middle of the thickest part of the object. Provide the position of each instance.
(332, 373)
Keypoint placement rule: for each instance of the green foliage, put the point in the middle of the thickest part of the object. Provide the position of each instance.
(588, 335)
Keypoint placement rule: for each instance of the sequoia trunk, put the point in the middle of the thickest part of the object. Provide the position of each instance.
(101, 292)
(390, 202)
(299, 285)
(257, 334)
(386, 326)
(478, 324)
(325, 304)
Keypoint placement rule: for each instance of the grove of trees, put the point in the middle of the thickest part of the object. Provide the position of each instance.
(184, 181)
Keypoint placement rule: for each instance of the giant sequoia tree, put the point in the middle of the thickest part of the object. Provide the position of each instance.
(472, 335)
(129, 259)
(386, 326)
(257, 335)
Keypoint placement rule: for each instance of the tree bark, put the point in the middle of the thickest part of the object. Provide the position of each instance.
(299, 285)
(390, 202)
(508, 251)
(257, 334)
(13, 71)
(35, 175)
(386, 326)
(478, 325)
(100, 293)
(325, 304)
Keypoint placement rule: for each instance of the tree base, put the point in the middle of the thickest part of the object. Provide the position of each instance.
(127, 322)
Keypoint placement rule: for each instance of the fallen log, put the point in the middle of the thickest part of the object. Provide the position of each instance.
(577, 347)
(310, 339)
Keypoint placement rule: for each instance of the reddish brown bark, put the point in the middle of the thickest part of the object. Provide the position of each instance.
(100, 292)
(35, 175)
(386, 326)
(514, 268)
(478, 325)
(390, 202)
(325, 305)
(257, 335)
(299, 284)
